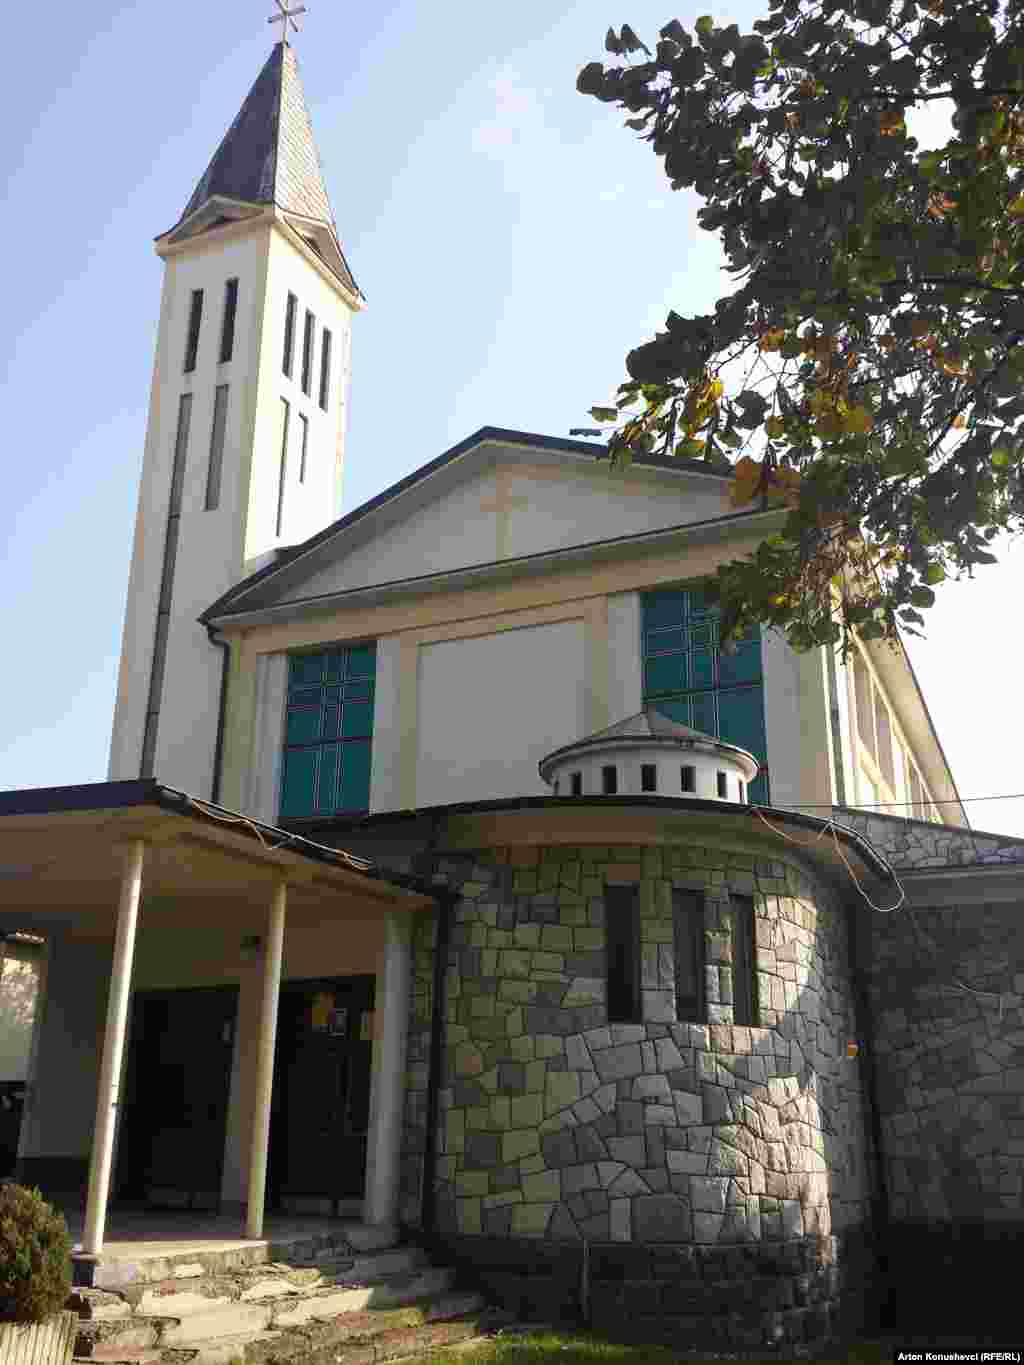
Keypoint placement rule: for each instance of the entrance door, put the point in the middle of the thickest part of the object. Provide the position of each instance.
(321, 1105)
(171, 1147)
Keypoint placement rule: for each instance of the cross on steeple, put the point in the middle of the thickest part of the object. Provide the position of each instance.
(285, 18)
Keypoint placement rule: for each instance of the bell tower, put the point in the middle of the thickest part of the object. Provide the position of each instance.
(245, 438)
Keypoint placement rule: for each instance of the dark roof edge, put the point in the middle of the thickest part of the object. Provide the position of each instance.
(147, 791)
(479, 437)
(863, 846)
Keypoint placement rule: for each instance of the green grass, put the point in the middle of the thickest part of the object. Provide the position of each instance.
(582, 1348)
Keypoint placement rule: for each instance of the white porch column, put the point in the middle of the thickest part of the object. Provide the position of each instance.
(387, 1095)
(113, 1050)
(272, 954)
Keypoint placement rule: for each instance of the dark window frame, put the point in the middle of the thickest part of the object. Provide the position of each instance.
(227, 322)
(722, 781)
(195, 322)
(290, 311)
(689, 949)
(308, 338)
(335, 685)
(215, 467)
(688, 778)
(325, 367)
(609, 780)
(648, 777)
(744, 961)
(622, 954)
(576, 781)
(305, 446)
(284, 464)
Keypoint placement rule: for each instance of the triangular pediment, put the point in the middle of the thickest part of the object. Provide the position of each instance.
(498, 500)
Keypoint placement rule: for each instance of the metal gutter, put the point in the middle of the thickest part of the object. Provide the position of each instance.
(222, 709)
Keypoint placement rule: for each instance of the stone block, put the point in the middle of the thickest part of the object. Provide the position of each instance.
(709, 1193)
(619, 1062)
(589, 1145)
(577, 1055)
(659, 1114)
(575, 1179)
(597, 1038)
(628, 1184)
(631, 1151)
(689, 1108)
(661, 1218)
(547, 1045)
(652, 1088)
(544, 1185)
(527, 1111)
(707, 1227)
(516, 1144)
(530, 1220)
(562, 1089)
(792, 1218)
(630, 1116)
(687, 1163)
(482, 1150)
(559, 1149)
(468, 1216)
(587, 1111)
(668, 1054)
(620, 1221)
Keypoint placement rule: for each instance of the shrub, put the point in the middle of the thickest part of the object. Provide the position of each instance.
(35, 1256)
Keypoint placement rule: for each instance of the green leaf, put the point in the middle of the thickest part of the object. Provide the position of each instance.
(604, 414)
(704, 27)
(922, 596)
(935, 573)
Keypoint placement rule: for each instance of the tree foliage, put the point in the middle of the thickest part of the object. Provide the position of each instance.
(865, 374)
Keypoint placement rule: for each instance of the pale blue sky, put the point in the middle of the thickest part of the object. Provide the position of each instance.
(512, 239)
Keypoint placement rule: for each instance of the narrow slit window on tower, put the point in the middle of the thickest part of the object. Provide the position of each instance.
(325, 367)
(610, 780)
(622, 937)
(648, 777)
(744, 959)
(227, 328)
(307, 351)
(688, 778)
(723, 785)
(195, 319)
(576, 780)
(304, 437)
(220, 412)
(743, 792)
(688, 947)
(285, 416)
(289, 334)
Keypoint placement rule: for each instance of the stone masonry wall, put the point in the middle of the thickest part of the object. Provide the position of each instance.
(738, 1144)
(919, 844)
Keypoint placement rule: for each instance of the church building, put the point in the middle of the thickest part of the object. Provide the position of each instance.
(451, 880)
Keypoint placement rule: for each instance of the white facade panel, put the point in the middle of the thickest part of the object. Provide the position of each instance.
(387, 733)
(490, 708)
(625, 663)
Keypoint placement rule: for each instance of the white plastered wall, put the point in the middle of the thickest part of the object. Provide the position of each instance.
(491, 706)
(625, 662)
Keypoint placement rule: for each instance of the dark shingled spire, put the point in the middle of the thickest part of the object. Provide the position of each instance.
(268, 155)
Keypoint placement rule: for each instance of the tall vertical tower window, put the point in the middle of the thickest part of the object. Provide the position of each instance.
(692, 681)
(307, 352)
(289, 335)
(329, 732)
(325, 367)
(227, 327)
(304, 437)
(622, 937)
(744, 961)
(163, 608)
(286, 413)
(195, 319)
(220, 413)
(688, 943)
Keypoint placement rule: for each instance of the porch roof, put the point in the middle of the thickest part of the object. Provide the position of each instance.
(61, 860)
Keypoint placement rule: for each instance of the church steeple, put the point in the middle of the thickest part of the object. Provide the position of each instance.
(269, 157)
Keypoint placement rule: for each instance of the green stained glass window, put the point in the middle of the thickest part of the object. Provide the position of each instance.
(693, 682)
(328, 732)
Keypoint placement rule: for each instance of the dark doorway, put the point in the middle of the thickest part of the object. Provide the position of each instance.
(321, 1105)
(174, 1120)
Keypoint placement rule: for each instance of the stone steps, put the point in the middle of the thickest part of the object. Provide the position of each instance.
(379, 1306)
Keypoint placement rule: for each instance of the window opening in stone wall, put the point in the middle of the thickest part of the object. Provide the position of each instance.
(325, 366)
(227, 327)
(648, 777)
(307, 352)
(329, 732)
(744, 1003)
(195, 320)
(723, 785)
(688, 778)
(610, 780)
(577, 784)
(213, 473)
(289, 335)
(622, 936)
(688, 947)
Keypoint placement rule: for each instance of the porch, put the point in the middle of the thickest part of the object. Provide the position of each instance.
(207, 894)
